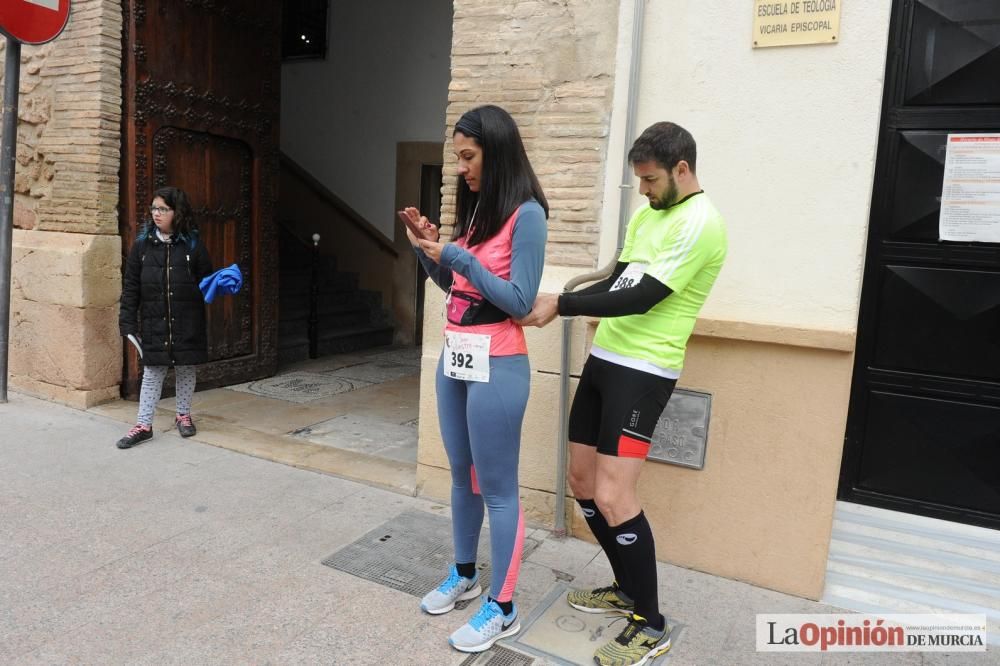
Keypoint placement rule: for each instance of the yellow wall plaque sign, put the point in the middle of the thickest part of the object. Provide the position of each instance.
(780, 23)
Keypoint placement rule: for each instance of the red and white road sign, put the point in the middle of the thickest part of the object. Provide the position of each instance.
(33, 21)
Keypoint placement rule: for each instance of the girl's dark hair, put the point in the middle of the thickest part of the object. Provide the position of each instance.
(507, 179)
(175, 198)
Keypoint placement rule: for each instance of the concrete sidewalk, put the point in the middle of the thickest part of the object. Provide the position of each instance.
(178, 552)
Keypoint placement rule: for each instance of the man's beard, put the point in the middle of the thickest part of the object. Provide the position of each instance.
(669, 197)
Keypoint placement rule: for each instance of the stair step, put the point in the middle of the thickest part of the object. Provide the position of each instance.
(850, 598)
(296, 310)
(938, 535)
(328, 283)
(888, 551)
(350, 318)
(889, 562)
(332, 322)
(354, 338)
(919, 580)
(905, 600)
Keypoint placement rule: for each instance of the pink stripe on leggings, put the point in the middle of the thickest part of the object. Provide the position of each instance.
(475, 481)
(507, 591)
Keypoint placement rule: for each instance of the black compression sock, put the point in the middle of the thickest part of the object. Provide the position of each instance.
(606, 538)
(466, 569)
(634, 541)
(505, 606)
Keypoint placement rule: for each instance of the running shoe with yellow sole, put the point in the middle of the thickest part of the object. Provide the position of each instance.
(637, 644)
(601, 600)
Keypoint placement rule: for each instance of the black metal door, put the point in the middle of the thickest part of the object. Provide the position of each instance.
(923, 431)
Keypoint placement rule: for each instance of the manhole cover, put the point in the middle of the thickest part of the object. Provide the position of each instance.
(410, 553)
(301, 386)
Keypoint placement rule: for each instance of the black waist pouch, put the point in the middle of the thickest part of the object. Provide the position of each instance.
(465, 309)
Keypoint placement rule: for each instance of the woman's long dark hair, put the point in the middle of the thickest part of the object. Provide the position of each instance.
(507, 179)
(184, 224)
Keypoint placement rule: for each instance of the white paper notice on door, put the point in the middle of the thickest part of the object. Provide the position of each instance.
(970, 195)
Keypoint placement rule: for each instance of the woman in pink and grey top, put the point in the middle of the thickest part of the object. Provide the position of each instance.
(491, 271)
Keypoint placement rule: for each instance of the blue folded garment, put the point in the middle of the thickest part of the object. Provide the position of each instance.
(223, 281)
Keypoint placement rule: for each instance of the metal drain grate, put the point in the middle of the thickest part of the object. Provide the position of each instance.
(409, 553)
(498, 656)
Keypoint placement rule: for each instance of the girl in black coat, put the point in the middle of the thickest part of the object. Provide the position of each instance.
(162, 305)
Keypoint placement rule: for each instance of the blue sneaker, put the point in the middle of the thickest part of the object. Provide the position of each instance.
(453, 588)
(485, 628)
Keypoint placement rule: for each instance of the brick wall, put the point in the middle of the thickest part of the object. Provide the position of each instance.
(550, 63)
(69, 125)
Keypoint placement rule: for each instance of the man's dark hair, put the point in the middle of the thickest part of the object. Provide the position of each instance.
(175, 198)
(507, 179)
(666, 144)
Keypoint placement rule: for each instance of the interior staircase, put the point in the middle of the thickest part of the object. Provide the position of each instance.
(350, 318)
(889, 562)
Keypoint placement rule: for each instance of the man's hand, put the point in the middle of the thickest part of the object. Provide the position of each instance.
(545, 309)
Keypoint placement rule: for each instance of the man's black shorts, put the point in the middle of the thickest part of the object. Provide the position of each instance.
(616, 408)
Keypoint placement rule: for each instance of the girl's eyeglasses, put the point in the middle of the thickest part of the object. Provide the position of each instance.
(159, 209)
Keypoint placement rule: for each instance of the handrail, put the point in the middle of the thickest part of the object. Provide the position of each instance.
(314, 299)
(563, 443)
(284, 225)
(342, 207)
(312, 321)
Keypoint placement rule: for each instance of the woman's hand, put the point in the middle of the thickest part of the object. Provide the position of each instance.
(432, 249)
(418, 227)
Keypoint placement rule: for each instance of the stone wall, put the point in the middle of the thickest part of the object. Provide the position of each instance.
(66, 273)
(550, 63)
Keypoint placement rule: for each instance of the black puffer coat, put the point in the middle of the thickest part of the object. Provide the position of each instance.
(160, 290)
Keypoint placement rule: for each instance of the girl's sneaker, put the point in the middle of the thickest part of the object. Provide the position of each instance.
(185, 426)
(452, 589)
(139, 433)
(485, 628)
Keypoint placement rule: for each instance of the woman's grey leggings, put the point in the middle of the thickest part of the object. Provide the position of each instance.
(152, 386)
(481, 429)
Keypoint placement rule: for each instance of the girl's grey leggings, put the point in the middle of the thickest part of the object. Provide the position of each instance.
(152, 386)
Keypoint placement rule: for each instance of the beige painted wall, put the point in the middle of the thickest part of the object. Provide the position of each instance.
(761, 510)
(786, 149)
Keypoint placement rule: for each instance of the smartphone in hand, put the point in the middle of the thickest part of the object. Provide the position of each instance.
(417, 230)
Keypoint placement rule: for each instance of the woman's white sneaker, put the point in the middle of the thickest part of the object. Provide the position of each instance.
(485, 628)
(452, 589)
